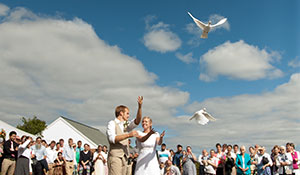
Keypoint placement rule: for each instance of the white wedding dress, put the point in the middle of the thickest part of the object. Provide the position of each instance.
(147, 162)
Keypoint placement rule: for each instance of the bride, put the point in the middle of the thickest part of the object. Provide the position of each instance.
(147, 162)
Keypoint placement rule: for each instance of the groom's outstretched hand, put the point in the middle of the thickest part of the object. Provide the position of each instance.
(133, 133)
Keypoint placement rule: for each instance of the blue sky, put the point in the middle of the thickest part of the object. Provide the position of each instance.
(261, 37)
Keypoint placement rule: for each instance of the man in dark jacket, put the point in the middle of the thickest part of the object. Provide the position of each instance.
(10, 151)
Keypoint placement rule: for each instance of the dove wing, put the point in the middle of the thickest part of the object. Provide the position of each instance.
(198, 22)
(195, 116)
(222, 21)
(209, 117)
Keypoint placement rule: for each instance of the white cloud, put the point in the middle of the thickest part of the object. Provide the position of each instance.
(294, 63)
(159, 37)
(51, 67)
(3, 10)
(267, 119)
(188, 58)
(239, 60)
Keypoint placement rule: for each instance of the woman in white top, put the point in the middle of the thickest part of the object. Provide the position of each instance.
(99, 162)
(147, 162)
(285, 162)
(211, 164)
(105, 155)
(23, 165)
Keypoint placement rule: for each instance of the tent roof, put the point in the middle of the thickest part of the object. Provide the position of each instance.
(8, 128)
(93, 134)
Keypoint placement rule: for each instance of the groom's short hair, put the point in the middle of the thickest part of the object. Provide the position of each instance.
(119, 109)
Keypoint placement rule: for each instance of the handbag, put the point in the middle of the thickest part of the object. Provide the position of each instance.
(265, 160)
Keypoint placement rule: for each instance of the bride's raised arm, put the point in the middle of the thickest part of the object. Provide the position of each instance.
(144, 138)
(159, 140)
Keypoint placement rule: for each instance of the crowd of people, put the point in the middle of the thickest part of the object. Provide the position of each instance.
(231, 160)
(24, 156)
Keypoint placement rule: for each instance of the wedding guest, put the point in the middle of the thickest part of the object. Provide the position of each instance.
(85, 161)
(224, 148)
(296, 156)
(243, 162)
(172, 154)
(99, 162)
(44, 143)
(188, 164)
(164, 154)
(211, 164)
(236, 150)
(10, 151)
(253, 160)
(51, 154)
(40, 154)
(286, 162)
(177, 157)
(275, 160)
(233, 155)
(69, 155)
(171, 169)
(75, 172)
(202, 157)
(220, 156)
(59, 165)
(105, 155)
(78, 150)
(23, 165)
(263, 162)
(61, 144)
(229, 163)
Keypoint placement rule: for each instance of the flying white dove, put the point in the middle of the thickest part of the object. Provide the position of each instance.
(206, 27)
(202, 117)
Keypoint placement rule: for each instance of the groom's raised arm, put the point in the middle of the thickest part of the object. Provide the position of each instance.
(139, 111)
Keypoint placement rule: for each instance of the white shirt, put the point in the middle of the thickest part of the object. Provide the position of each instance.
(233, 155)
(259, 158)
(68, 153)
(164, 156)
(111, 128)
(51, 155)
(210, 169)
(201, 158)
(26, 152)
(289, 167)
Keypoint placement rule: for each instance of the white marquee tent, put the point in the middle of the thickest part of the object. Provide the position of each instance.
(8, 128)
(64, 128)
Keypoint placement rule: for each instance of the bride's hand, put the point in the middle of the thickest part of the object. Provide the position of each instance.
(162, 134)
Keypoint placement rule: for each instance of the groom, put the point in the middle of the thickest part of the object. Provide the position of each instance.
(118, 132)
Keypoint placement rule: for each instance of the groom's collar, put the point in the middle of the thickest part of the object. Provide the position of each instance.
(118, 121)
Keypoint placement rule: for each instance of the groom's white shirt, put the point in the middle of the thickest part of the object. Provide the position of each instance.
(111, 128)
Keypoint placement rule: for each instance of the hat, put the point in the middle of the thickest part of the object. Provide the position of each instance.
(261, 148)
